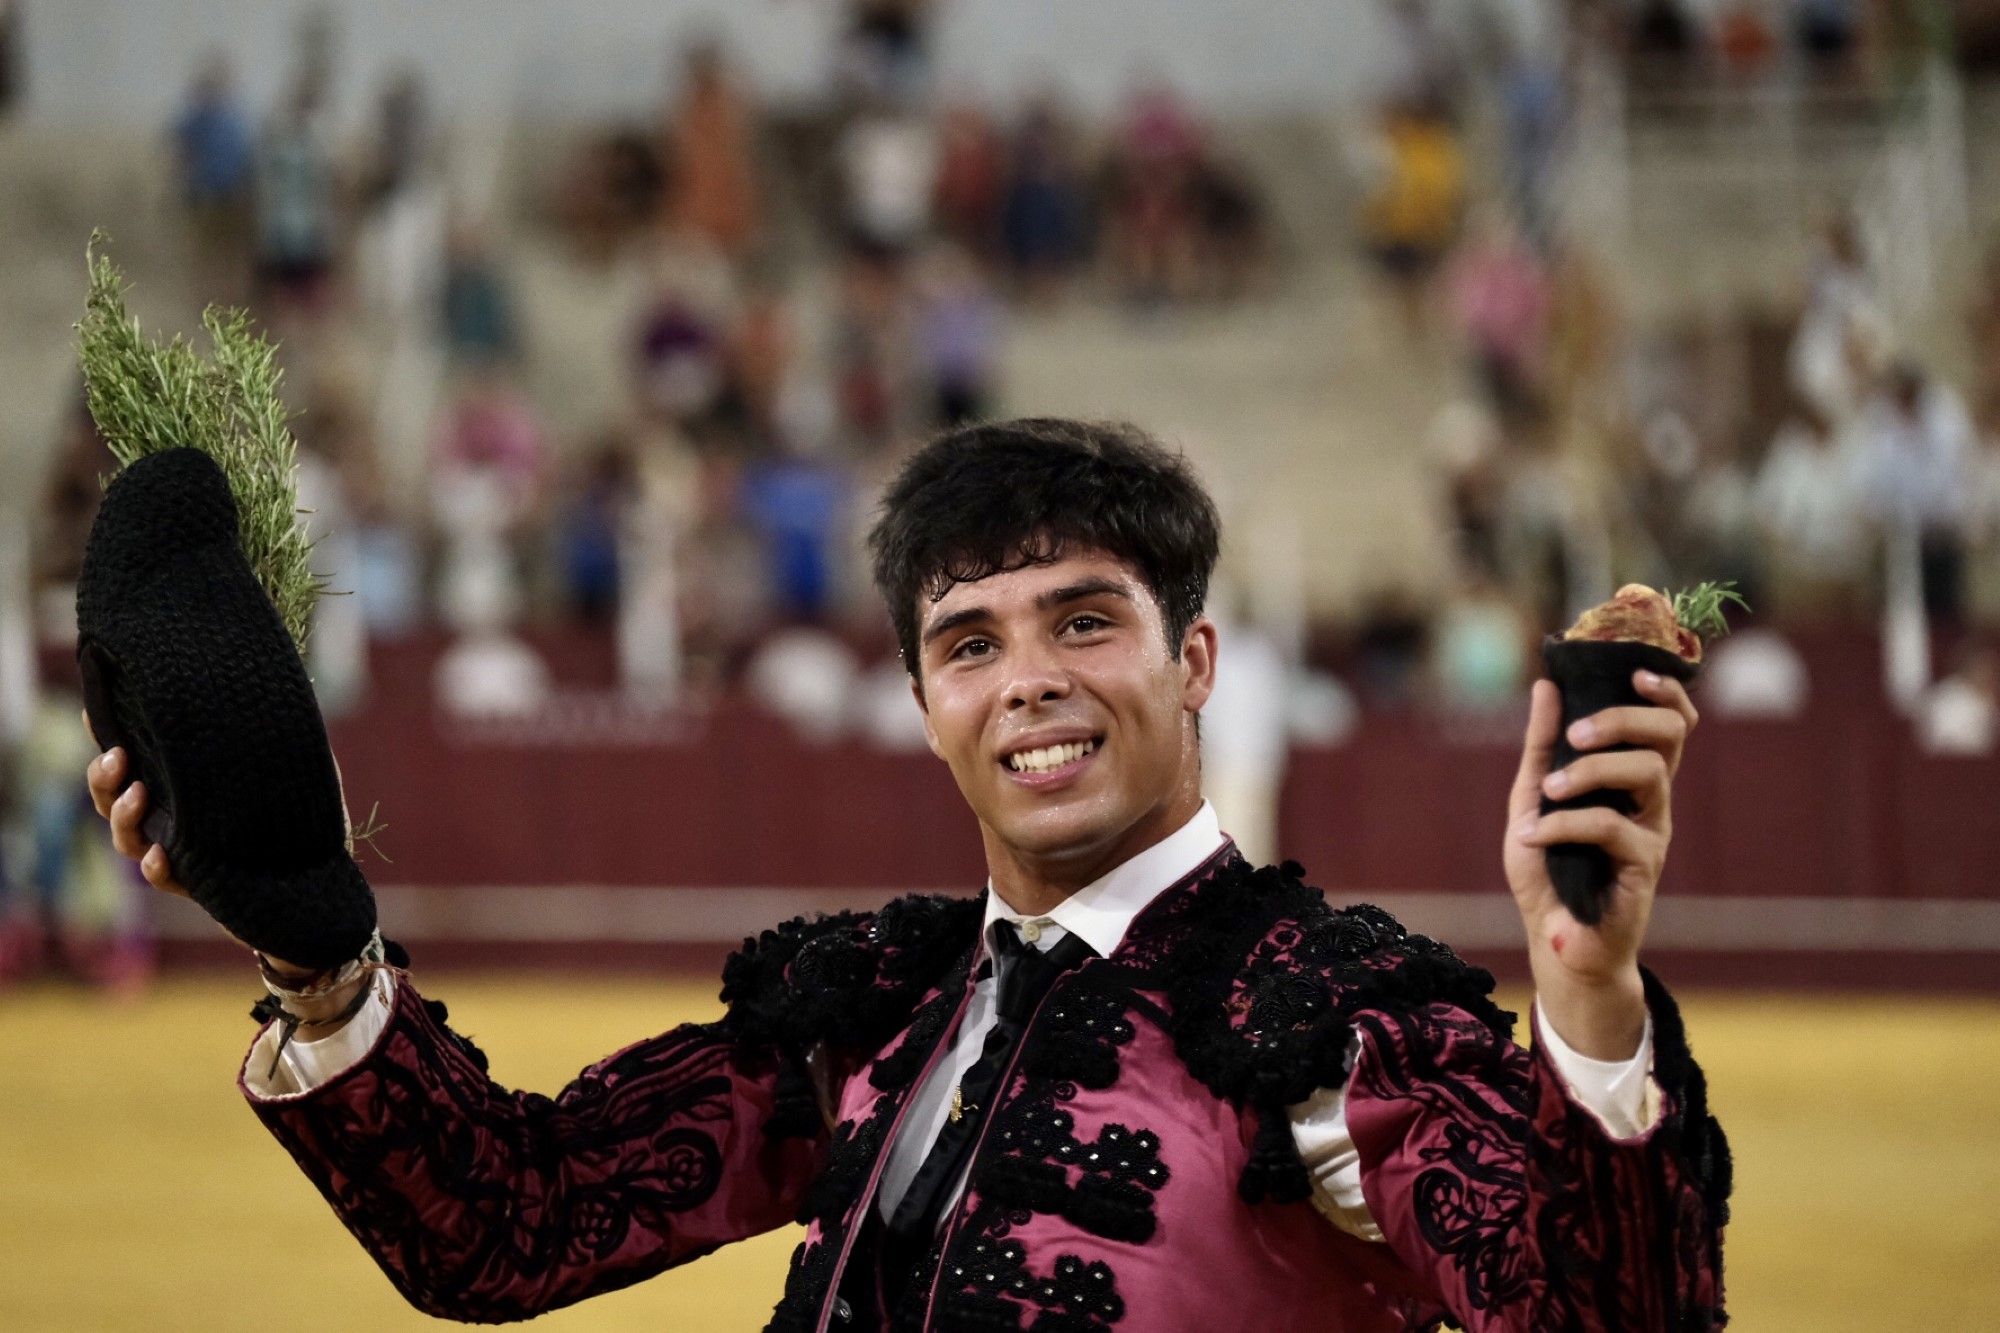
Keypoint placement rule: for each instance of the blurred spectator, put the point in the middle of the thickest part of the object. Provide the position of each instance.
(871, 354)
(1808, 505)
(215, 155)
(1152, 198)
(724, 577)
(388, 565)
(958, 337)
(1828, 34)
(591, 533)
(399, 151)
(1745, 41)
(651, 665)
(1533, 105)
(1500, 298)
(1481, 647)
(1755, 673)
(1421, 65)
(1411, 214)
(1042, 220)
(478, 309)
(337, 647)
(888, 171)
(401, 225)
(970, 172)
(295, 206)
(711, 156)
(486, 485)
(762, 362)
(887, 49)
(1914, 452)
(1665, 44)
(489, 430)
(1961, 713)
(10, 55)
(1231, 226)
(1841, 336)
(62, 521)
(799, 510)
(609, 193)
(84, 910)
(1468, 448)
(681, 361)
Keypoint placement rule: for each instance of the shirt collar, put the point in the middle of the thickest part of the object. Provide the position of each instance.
(1102, 910)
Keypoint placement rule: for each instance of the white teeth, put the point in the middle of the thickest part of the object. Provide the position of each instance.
(1049, 757)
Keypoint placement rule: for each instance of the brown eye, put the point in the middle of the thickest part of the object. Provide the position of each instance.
(971, 647)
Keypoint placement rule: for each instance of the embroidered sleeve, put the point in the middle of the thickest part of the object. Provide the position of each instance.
(1510, 1198)
(485, 1205)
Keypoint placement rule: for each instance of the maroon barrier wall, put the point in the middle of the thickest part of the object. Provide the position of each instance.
(1839, 804)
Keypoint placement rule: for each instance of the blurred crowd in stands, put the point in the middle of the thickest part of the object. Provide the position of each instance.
(823, 289)
(1835, 476)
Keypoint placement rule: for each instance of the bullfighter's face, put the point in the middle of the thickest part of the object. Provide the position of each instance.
(1052, 694)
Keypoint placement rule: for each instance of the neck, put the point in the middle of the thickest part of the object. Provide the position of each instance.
(1034, 883)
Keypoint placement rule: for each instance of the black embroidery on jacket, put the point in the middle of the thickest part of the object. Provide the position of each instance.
(1262, 980)
(858, 1144)
(662, 1103)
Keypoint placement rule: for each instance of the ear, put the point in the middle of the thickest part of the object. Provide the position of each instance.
(1198, 652)
(930, 732)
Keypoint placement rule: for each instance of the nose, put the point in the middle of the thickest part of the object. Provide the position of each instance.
(1037, 679)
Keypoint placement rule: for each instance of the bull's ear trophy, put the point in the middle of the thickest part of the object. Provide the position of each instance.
(192, 609)
(1592, 665)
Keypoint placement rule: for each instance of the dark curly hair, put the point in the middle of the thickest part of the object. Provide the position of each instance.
(1007, 494)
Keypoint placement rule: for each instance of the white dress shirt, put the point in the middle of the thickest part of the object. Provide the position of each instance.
(1620, 1093)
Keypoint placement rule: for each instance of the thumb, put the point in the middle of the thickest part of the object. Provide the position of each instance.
(1544, 724)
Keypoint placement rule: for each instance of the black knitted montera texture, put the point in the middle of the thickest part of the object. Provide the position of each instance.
(188, 666)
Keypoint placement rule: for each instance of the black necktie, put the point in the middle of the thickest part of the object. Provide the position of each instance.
(1026, 973)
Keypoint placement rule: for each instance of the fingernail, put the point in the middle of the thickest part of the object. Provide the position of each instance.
(1583, 733)
(1526, 826)
(1649, 679)
(1557, 783)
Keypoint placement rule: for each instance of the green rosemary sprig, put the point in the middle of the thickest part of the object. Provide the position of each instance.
(147, 397)
(1700, 608)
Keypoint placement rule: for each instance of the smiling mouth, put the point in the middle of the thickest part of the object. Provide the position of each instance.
(1050, 758)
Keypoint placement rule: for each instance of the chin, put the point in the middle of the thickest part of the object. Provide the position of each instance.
(1051, 833)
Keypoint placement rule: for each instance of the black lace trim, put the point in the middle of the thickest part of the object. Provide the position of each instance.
(847, 982)
(1036, 1163)
(1694, 1137)
(1263, 979)
(850, 979)
(852, 1155)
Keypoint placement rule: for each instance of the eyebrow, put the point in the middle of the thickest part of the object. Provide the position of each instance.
(1069, 592)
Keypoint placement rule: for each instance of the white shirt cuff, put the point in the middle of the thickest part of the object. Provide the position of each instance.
(1621, 1094)
(305, 1063)
(1319, 1128)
